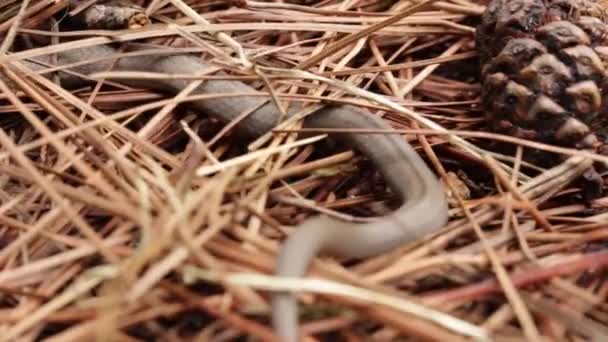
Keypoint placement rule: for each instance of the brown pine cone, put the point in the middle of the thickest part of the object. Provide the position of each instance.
(544, 71)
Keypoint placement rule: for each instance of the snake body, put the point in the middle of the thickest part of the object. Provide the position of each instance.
(424, 208)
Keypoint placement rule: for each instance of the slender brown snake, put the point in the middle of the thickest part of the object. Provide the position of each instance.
(424, 208)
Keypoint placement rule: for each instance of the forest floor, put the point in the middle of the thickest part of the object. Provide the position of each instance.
(126, 215)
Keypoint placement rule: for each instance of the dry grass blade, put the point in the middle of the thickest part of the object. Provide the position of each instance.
(356, 36)
(192, 274)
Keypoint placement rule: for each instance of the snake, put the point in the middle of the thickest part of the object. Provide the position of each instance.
(423, 209)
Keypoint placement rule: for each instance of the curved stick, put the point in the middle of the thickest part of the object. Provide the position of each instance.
(424, 208)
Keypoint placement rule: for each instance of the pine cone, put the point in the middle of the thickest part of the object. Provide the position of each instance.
(544, 74)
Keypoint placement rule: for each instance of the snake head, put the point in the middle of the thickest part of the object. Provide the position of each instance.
(546, 74)
(562, 34)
